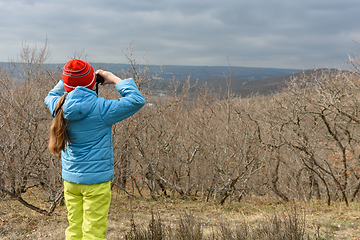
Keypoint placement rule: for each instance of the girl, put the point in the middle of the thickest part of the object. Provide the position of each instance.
(82, 131)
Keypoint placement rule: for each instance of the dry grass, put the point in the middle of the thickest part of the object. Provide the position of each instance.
(321, 221)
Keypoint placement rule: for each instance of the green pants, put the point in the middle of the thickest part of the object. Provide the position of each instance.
(88, 208)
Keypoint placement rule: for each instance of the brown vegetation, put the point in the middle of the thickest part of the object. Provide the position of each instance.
(300, 144)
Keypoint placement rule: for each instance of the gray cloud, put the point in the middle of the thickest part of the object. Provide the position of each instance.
(279, 33)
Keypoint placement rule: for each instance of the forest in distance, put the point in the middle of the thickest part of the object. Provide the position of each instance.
(245, 80)
(196, 72)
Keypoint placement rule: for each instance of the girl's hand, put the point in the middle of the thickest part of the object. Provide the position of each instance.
(109, 77)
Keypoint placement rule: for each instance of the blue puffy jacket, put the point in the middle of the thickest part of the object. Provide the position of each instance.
(89, 158)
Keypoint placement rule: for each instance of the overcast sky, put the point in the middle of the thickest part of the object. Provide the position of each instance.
(299, 34)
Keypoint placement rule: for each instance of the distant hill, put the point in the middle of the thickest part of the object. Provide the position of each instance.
(263, 86)
(205, 72)
(245, 80)
(167, 72)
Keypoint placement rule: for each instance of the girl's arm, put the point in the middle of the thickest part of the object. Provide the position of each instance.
(54, 95)
(113, 111)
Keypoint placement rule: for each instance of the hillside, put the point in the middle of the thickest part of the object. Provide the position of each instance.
(167, 72)
(245, 80)
(205, 72)
(263, 86)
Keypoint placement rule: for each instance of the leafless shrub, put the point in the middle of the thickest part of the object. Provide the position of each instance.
(279, 226)
(155, 230)
(25, 163)
(313, 126)
(300, 144)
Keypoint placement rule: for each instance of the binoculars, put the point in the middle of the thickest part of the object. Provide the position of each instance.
(99, 79)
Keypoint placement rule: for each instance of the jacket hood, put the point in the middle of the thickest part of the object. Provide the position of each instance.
(79, 103)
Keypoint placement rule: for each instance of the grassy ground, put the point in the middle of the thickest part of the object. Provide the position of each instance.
(326, 222)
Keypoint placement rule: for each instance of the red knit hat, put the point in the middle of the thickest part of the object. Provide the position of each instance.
(78, 73)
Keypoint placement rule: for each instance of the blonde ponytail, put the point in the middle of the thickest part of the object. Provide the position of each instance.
(58, 135)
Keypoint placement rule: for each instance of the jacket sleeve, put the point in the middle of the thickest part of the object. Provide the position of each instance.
(54, 95)
(113, 111)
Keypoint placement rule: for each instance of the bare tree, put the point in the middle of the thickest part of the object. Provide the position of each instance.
(25, 163)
